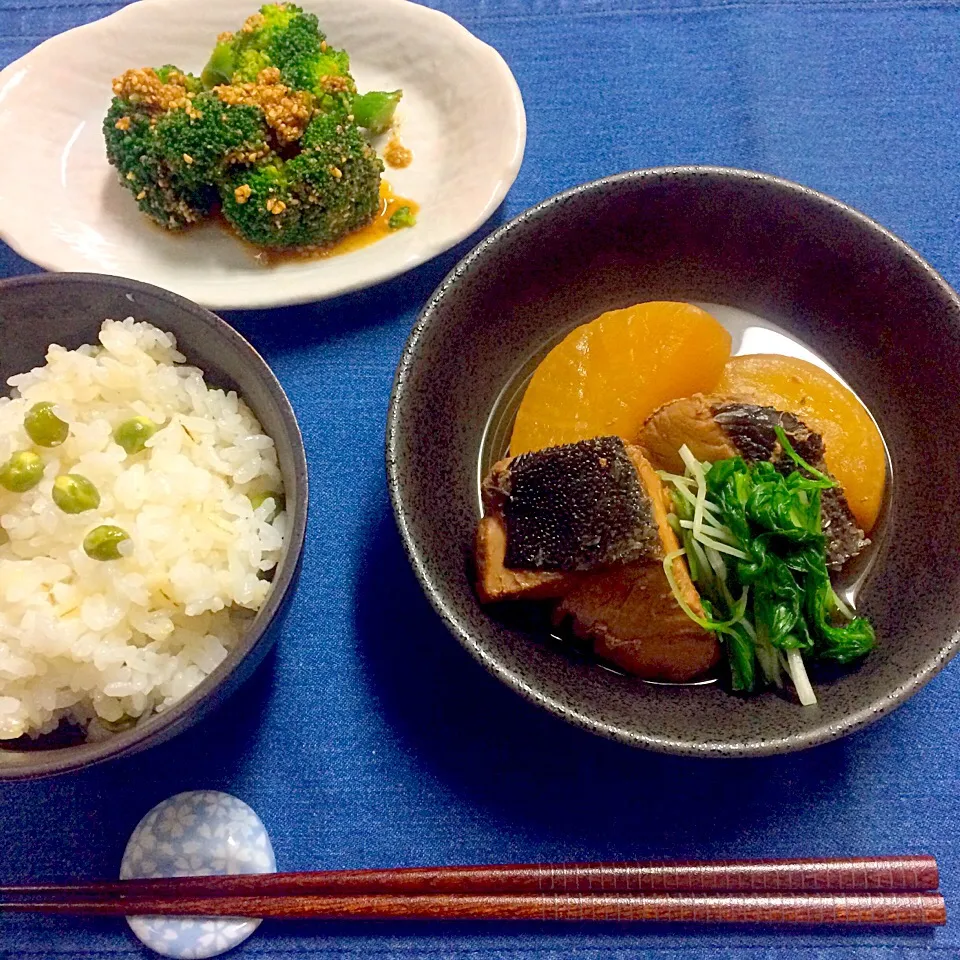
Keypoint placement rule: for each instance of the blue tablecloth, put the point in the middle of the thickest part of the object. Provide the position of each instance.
(369, 738)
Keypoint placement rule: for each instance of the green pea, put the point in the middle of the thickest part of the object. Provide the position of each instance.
(75, 494)
(134, 433)
(44, 427)
(257, 500)
(22, 472)
(103, 542)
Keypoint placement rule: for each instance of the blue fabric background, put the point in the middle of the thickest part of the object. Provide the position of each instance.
(369, 738)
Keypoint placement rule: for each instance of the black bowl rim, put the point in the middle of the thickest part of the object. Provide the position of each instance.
(159, 727)
(824, 733)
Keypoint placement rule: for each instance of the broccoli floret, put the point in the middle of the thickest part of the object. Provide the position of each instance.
(404, 217)
(128, 131)
(200, 144)
(239, 57)
(261, 206)
(326, 75)
(171, 145)
(168, 73)
(306, 61)
(375, 110)
(330, 188)
(283, 36)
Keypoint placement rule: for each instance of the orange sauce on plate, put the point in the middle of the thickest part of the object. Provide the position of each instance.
(375, 230)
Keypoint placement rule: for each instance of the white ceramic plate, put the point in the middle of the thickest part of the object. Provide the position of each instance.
(62, 207)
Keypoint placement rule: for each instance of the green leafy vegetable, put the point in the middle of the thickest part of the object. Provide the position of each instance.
(754, 534)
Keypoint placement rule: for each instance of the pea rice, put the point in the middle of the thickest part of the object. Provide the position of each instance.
(101, 644)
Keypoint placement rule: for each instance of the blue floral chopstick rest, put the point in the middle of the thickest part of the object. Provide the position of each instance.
(191, 834)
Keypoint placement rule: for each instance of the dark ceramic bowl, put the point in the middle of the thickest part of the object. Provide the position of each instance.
(867, 303)
(68, 309)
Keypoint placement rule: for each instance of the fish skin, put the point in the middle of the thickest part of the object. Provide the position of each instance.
(720, 427)
(577, 506)
(627, 609)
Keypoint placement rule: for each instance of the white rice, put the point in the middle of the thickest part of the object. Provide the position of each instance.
(98, 643)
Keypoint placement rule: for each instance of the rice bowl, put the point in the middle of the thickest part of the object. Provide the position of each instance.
(101, 645)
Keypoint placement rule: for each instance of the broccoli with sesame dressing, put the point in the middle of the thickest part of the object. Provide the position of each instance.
(168, 73)
(199, 146)
(327, 190)
(272, 132)
(259, 203)
(129, 131)
(171, 144)
(283, 36)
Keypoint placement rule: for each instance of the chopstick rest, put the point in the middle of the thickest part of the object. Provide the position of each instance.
(198, 832)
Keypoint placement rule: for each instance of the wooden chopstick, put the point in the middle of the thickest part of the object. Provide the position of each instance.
(827, 875)
(862, 890)
(884, 909)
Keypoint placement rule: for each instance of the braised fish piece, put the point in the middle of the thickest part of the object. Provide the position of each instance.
(630, 612)
(589, 524)
(559, 511)
(716, 428)
(495, 581)
(574, 507)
